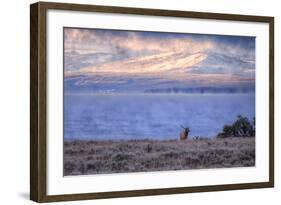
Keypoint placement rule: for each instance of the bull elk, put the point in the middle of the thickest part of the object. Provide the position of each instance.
(184, 133)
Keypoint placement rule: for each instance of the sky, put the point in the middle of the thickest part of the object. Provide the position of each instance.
(138, 60)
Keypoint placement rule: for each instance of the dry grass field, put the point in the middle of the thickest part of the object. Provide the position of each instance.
(102, 157)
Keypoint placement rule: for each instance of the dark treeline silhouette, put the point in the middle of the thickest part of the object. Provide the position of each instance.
(203, 90)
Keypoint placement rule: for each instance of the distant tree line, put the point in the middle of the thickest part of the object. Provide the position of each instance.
(202, 90)
(242, 127)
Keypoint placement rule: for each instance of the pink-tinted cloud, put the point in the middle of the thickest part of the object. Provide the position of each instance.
(179, 58)
(163, 62)
(84, 40)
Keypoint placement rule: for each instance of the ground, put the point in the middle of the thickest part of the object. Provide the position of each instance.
(103, 157)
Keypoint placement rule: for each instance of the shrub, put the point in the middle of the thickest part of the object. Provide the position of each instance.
(242, 127)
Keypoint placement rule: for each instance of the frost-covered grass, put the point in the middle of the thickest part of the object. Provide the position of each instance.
(83, 157)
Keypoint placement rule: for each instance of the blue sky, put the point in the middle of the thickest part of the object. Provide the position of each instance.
(181, 60)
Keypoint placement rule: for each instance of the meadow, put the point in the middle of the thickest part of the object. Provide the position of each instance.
(86, 157)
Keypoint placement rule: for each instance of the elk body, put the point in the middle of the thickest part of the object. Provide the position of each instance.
(184, 133)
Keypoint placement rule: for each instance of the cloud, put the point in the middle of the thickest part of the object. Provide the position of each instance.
(163, 62)
(184, 58)
(110, 41)
(220, 63)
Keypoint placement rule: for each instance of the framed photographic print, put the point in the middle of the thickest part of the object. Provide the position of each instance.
(134, 102)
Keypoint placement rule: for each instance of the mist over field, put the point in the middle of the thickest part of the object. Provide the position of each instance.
(154, 116)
